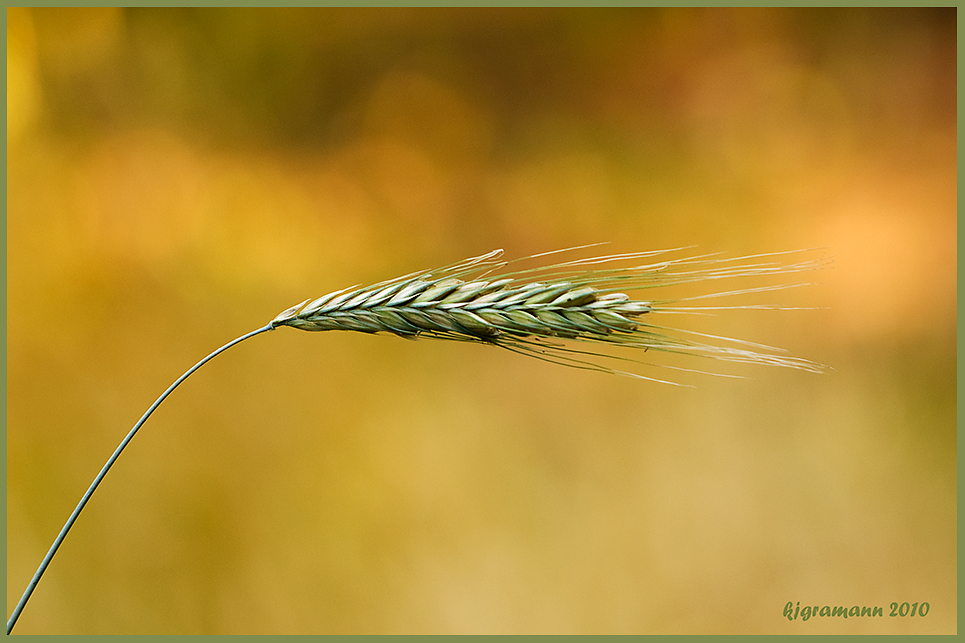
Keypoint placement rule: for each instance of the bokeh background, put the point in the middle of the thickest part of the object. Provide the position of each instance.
(177, 177)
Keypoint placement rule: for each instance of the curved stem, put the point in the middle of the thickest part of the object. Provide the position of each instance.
(107, 466)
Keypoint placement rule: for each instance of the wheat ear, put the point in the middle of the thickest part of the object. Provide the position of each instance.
(543, 311)
(540, 312)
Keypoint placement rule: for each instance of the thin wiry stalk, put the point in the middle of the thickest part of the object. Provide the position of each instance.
(541, 311)
(103, 472)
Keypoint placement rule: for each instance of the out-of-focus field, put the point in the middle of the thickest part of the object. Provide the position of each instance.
(176, 178)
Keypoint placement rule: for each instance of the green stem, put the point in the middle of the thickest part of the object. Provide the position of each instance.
(107, 466)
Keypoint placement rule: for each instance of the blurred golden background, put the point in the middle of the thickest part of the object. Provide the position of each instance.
(177, 177)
